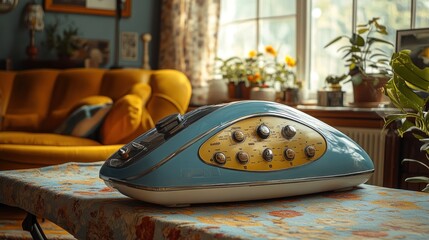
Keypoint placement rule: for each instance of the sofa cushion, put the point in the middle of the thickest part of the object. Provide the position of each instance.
(45, 139)
(31, 94)
(123, 119)
(84, 121)
(21, 122)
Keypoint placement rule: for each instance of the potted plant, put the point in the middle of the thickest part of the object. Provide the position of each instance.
(408, 90)
(65, 42)
(332, 95)
(367, 61)
(255, 75)
(284, 74)
(233, 71)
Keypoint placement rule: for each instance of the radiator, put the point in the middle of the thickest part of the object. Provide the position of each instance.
(373, 142)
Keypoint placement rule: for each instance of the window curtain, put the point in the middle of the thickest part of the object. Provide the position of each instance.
(188, 41)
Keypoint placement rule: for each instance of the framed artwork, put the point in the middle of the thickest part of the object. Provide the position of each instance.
(7, 5)
(95, 51)
(97, 7)
(129, 45)
(416, 40)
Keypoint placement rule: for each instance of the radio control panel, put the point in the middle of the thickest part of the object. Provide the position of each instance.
(265, 143)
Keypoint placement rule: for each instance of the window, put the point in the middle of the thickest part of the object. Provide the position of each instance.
(252, 24)
(247, 25)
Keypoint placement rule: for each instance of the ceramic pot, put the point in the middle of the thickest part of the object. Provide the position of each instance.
(263, 93)
(369, 91)
(291, 96)
(217, 92)
(239, 90)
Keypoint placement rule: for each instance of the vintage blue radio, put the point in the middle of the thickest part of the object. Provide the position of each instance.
(238, 151)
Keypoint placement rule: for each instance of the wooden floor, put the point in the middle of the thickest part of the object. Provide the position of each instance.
(16, 216)
(11, 213)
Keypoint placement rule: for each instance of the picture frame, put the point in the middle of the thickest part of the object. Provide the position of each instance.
(129, 46)
(416, 40)
(95, 51)
(95, 7)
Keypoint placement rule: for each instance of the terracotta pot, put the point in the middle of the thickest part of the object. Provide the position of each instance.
(238, 91)
(370, 90)
(244, 90)
(231, 90)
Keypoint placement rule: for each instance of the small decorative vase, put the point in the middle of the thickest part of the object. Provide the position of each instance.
(263, 93)
(291, 96)
(217, 92)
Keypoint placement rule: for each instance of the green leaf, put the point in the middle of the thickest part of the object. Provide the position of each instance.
(334, 41)
(357, 40)
(363, 30)
(372, 40)
(415, 161)
(418, 179)
(407, 97)
(403, 66)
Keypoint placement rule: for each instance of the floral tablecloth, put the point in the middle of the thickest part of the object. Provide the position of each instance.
(73, 196)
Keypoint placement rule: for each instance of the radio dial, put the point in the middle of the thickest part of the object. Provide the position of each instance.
(267, 154)
(310, 151)
(289, 154)
(219, 158)
(263, 131)
(288, 131)
(242, 157)
(238, 136)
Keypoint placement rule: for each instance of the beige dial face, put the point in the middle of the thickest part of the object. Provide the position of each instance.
(7, 5)
(266, 143)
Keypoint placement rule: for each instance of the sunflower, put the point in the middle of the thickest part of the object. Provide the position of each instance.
(269, 49)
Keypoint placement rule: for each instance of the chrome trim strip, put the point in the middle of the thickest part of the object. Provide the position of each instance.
(230, 185)
(163, 161)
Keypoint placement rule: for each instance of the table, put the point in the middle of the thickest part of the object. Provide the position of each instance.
(72, 196)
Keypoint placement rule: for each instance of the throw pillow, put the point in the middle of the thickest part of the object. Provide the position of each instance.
(123, 119)
(84, 121)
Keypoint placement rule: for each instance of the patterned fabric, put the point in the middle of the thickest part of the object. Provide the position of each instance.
(84, 121)
(72, 196)
(188, 40)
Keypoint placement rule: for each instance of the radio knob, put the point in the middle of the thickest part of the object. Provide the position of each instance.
(289, 154)
(310, 151)
(238, 136)
(267, 154)
(288, 131)
(124, 152)
(263, 131)
(242, 157)
(219, 158)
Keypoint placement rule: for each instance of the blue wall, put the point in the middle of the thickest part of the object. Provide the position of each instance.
(145, 16)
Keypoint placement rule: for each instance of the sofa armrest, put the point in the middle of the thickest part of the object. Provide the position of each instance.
(171, 93)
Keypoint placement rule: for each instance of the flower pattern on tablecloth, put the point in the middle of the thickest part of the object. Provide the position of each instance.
(74, 197)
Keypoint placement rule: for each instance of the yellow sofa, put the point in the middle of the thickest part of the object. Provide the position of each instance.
(36, 103)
